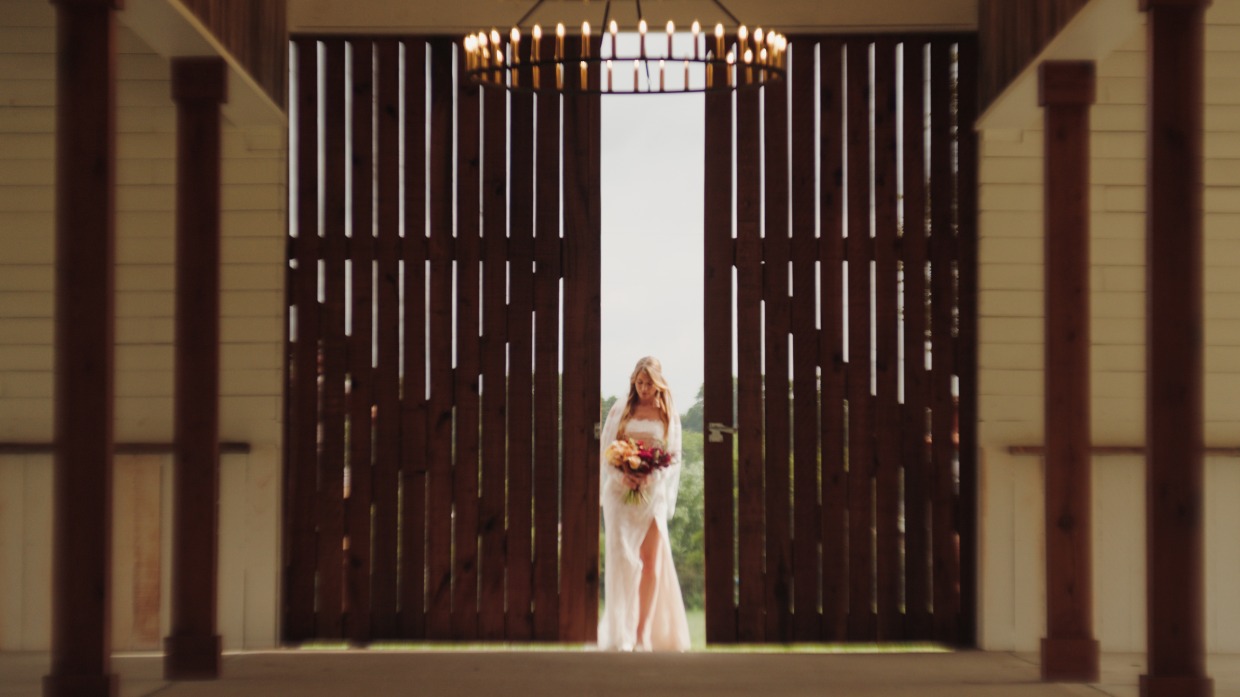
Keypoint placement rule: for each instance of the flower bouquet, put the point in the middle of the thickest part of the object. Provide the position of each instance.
(634, 458)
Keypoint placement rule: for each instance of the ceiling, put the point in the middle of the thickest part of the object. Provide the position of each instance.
(789, 16)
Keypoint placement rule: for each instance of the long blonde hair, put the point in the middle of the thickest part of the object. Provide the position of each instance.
(662, 396)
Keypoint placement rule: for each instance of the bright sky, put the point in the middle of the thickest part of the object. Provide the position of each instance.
(652, 153)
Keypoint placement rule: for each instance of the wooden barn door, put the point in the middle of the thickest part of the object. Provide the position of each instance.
(852, 272)
(440, 475)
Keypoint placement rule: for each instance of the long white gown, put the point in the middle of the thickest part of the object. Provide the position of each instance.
(625, 526)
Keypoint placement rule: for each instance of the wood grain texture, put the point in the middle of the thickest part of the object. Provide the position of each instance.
(914, 415)
(386, 386)
(359, 518)
(888, 568)
(255, 33)
(491, 522)
(1011, 33)
(413, 429)
(751, 506)
(439, 483)
(301, 470)
(548, 272)
(468, 365)
(832, 425)
(520, 415)
(718, 477)
(860, 403)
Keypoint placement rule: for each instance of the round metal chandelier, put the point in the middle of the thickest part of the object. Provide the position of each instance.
(732, 58)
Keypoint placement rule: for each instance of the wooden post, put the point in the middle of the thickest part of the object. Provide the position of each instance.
(1175, 571)
(1069, 650)
(85, 325)
(192, 650)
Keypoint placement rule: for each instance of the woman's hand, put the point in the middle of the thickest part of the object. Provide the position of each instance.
(632, 481)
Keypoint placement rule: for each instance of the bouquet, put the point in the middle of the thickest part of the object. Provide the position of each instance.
(634, 458)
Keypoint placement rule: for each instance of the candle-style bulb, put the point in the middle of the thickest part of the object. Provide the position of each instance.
(585, 29)
(749, 55)
(757, 37)
(718, 31)
(742, 33)
(559, 30)
(537, 32)
(696, 28)
(671, 27)
(495, 37)
(515, 34)
(641, 27)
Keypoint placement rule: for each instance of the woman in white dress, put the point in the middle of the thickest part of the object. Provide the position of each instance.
(644, 610)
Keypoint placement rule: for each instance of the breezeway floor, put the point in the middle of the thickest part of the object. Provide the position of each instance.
(517, 673)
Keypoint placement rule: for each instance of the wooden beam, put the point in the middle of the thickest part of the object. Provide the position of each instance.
(1069, 650)
(192, 649)
(1175, 537)
(85, 326)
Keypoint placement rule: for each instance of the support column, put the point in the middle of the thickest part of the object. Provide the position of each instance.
(1069, 650)
(85, 324)
(192, 651)
(1175, 571)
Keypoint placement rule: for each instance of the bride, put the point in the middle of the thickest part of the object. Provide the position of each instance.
(644, 610)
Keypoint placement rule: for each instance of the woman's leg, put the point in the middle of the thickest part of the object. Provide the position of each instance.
(650, 573)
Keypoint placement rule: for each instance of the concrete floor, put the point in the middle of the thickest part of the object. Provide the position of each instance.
(515, 673)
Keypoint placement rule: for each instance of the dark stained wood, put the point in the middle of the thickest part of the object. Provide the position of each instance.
(359, 520)
(468, 367)
(255, 33)
(966, 339)
(914, 417)
(944, 546)
(333, 357)
(751, 540)
(579, 553)
(413, 459)
(192, 649)
(386, 375)
(84, 339)
(807, 525)
(717, 388)
(491, 525)
(888, 567)
(830, 349)
(860, 408)
(520, 176)
(1175, 538)
(1012, 33)
(547, 363)
(301, 470)
(775, 296)
(439, 483)
(1069, 650)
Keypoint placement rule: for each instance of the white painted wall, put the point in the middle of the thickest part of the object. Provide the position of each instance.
(254, 202)
(1013, 604)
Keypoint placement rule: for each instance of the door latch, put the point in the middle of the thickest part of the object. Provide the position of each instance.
(717, 430)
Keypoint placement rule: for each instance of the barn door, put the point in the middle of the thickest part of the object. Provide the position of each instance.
(438, 273)
(851, 271)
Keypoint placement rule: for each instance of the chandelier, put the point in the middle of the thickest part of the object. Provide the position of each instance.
(729, 58)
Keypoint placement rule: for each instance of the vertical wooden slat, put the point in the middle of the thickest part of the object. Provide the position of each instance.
(775, 301)
(413, 389)
(886, 406)
(751, 620)
(192, 649)
(1175, 399)
(579, 554)
(966, 339)
(468, 254)
(302, 470)
(494, 368)
(831, 342)
(860, 421)
(386, 385)
(942, 409)
(361, 397)
(913, 415)
(547, 361)
(333, 354)
(439, 482)
(805, 346)
(520, 424)
(717, 390)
